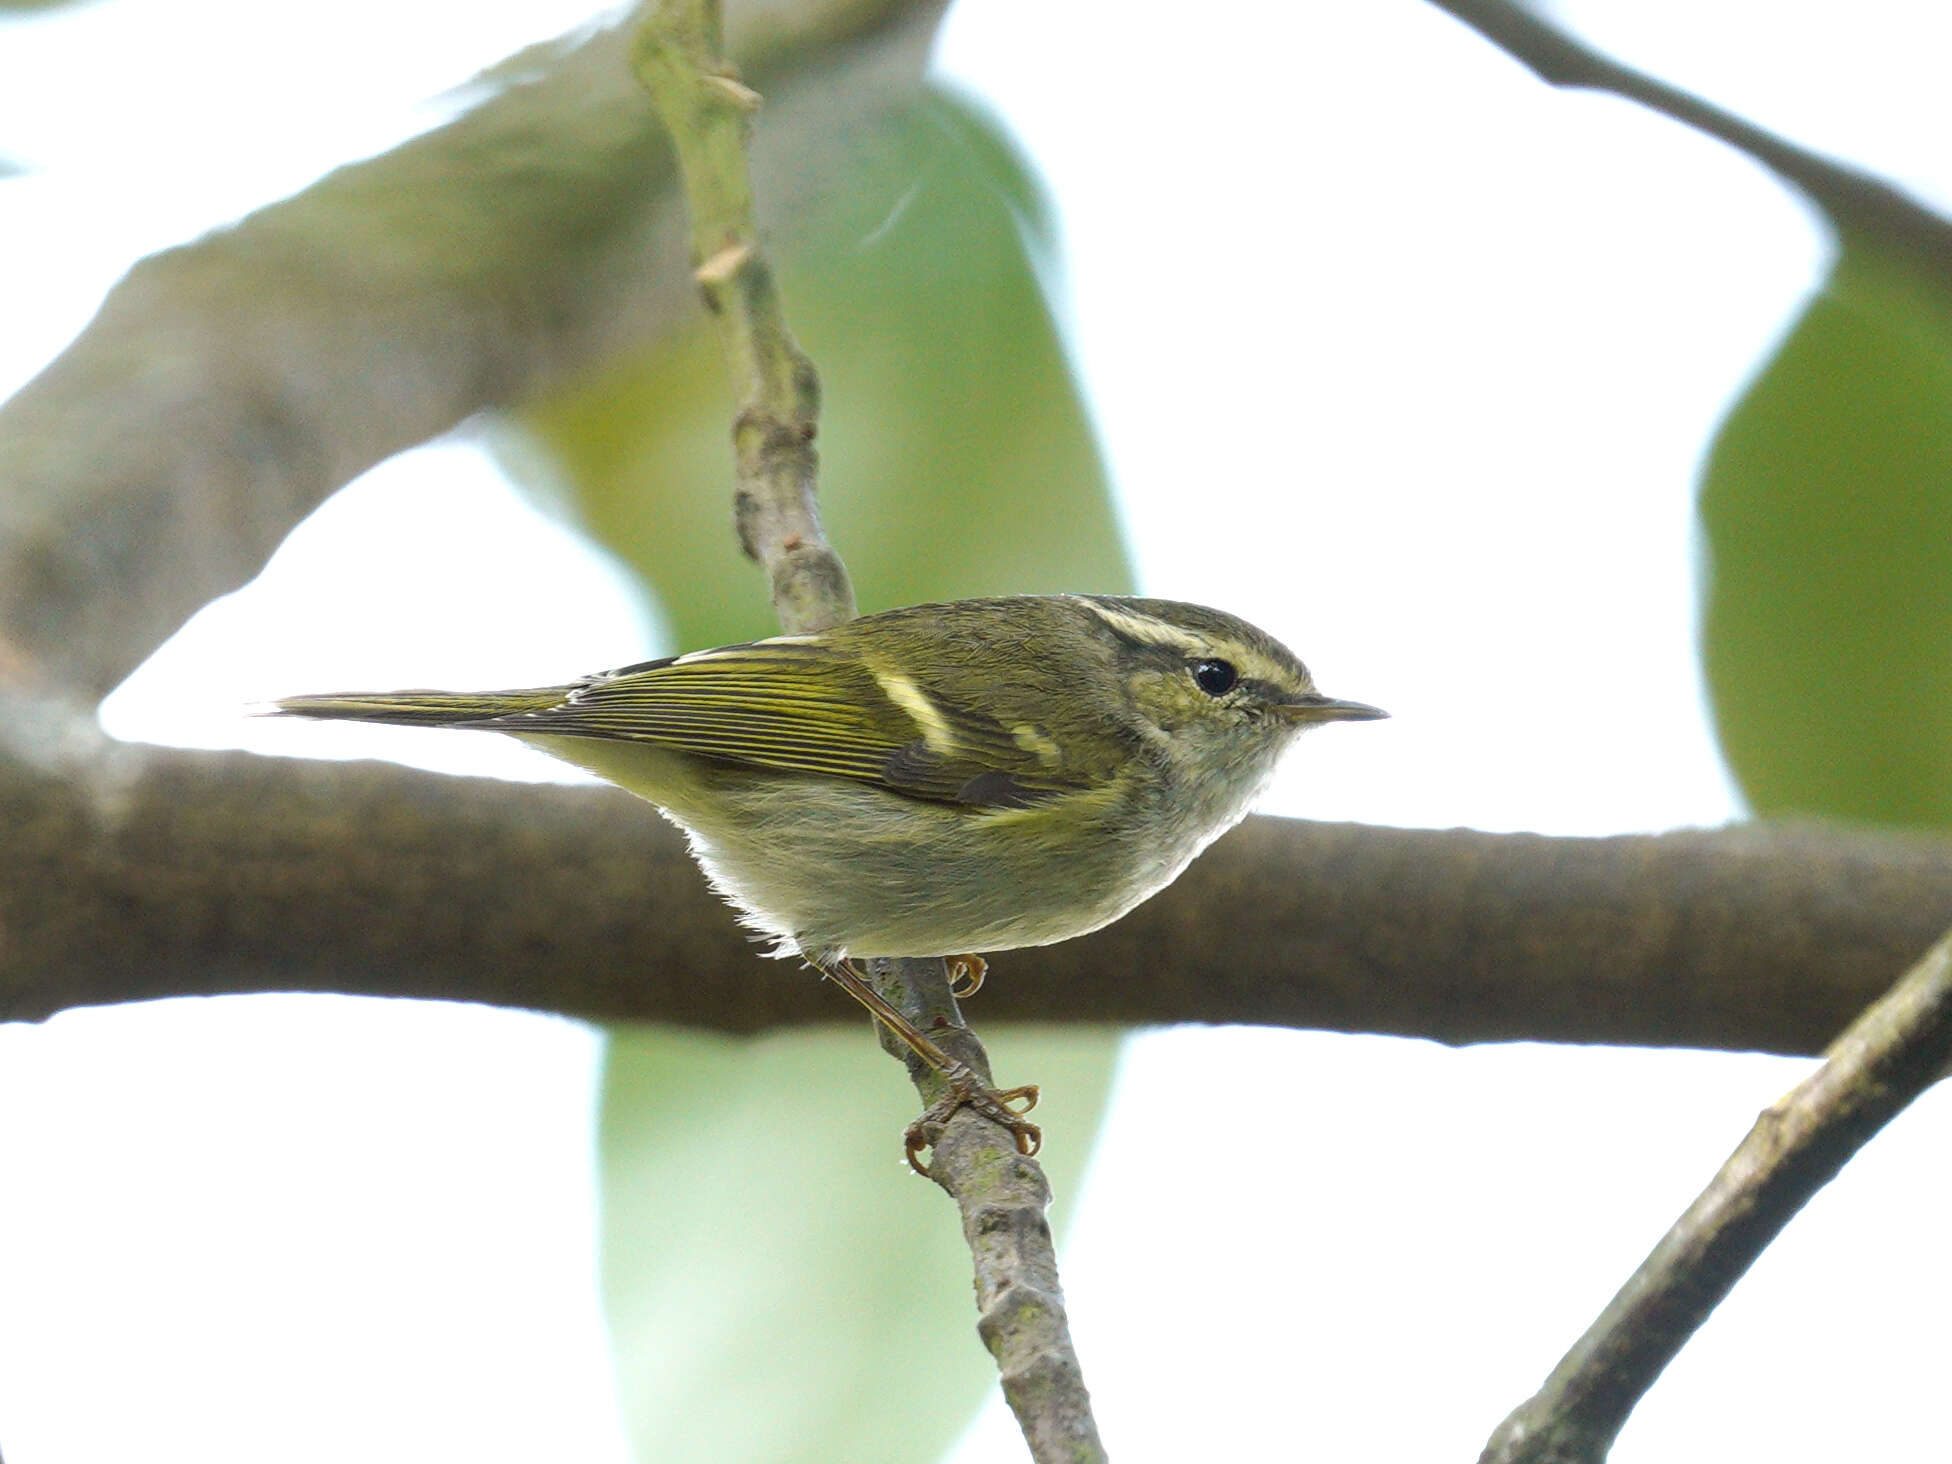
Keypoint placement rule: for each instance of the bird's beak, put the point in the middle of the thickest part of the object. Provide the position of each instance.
(1314, 707)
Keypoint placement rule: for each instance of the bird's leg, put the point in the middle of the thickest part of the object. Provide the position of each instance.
(966, 975)
(966, 1090)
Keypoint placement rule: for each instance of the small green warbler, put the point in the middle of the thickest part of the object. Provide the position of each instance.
(930, 781)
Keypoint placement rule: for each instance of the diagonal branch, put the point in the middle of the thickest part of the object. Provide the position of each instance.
(1883, 1061)
(1853, 200)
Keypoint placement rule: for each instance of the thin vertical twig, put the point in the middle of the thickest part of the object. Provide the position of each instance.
(1002, 1195)
(708, 112)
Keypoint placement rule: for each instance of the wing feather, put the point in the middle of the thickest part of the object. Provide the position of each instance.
(807, 707)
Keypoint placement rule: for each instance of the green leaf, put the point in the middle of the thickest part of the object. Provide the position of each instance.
(956, 456)
(780, 1286)
(1827, 508)
(777, 1282)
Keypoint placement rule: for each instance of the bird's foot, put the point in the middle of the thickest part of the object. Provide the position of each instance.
(1003, 1106)
(966, 975)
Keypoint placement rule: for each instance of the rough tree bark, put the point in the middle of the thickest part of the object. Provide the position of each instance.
(136, 872)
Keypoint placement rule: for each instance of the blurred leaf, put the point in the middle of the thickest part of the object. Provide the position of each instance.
(781, 1288)
(776, 1281)
(1827, 507)
(957, 458)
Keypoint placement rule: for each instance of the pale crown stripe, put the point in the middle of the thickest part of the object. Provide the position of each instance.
(1154, 631)
(1146, 628)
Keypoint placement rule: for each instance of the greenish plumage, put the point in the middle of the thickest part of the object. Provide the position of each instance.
(939, 779)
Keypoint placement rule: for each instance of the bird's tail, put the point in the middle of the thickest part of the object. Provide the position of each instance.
(420, 708)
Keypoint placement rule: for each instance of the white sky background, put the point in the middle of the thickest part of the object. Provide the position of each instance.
(1303, 248)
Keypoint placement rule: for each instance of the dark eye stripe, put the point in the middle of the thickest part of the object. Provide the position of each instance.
(1215, 678)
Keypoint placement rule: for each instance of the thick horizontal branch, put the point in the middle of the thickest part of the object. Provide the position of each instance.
(132, 873)
(227, 387)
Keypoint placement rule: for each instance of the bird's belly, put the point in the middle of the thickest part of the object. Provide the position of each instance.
(833, 868)
(830, 867)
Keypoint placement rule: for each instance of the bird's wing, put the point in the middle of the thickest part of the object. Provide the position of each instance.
(803, 705)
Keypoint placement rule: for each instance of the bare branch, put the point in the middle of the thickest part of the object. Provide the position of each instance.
(1021, 1318)
(708, 111)
(1853, 200)
(1002, 1194)
(133, 872)
(1885, 1059)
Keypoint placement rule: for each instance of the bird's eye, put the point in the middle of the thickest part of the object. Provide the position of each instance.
(1215, 678)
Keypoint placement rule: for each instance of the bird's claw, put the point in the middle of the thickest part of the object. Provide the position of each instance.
(1004, 1107)
(966, 975)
